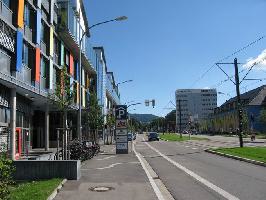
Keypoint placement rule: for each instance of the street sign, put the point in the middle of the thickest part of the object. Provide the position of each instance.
(121, 123)
(120, 132)
(121, 138)
(121, 129)
(121, 112)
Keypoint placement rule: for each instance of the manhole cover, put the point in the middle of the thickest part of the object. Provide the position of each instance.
(101, 189)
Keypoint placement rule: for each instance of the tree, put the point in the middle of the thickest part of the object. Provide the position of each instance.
(110, 122)
(94, 115)
(63, 97)
(263, 115)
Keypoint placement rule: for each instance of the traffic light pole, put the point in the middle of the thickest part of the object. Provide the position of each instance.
(239, 108)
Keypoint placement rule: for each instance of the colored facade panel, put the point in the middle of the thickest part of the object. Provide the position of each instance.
(71, 65)
(83, 97)
(77, 93)
(37, 65)
(51, 69)
(51, 41)
(52, 11)
(71, 84)
(21, 13)
(62, 55)
(77, 70)
(19, 48)
(38, 26)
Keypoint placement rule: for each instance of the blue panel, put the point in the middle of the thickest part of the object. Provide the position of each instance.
(38, 27)
(19, 51)
(77, 70)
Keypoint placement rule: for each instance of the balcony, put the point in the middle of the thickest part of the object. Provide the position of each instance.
(43, 47)
(112, 91)
(28, 33)
(45, 4)
(25, 74)
(68, 33)
(5, 12)
(5, 61)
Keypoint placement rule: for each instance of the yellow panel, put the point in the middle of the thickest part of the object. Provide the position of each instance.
(51, 41)
(21, 13)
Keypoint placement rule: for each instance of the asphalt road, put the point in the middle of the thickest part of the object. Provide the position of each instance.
(190, 173)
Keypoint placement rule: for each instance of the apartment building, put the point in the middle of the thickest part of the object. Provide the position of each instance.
(107, 89)
(37, 39)
(194, 105)
(225, 117)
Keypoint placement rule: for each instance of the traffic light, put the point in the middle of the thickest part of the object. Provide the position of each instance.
(153, 103)
(147, 102)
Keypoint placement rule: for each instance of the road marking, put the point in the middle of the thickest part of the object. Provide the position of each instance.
(152, 182)
(194, 148)
(195, 176)
(106, 158)
(115, 164)
(187, 146)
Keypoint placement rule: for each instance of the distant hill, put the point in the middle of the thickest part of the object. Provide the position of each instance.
(144, 118)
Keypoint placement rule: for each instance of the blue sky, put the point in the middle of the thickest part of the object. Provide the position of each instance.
(168, 44)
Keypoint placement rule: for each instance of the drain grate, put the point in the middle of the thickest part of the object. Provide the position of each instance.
(101, 189)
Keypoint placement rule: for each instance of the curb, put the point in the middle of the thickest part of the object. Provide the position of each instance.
(57, 190)
(255, 162)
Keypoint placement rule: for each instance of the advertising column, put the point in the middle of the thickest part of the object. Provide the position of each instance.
(121, 129)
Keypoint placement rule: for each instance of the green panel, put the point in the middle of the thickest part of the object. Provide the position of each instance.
(62, 54)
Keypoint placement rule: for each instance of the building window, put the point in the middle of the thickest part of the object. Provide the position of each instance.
(26, 15)
(25, 51)
(43, 68)
(7, 3)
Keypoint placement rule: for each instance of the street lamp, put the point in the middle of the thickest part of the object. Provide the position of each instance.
(134, 104)
(121, 18)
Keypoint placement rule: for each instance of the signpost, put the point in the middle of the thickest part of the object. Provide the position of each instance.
(121, 129)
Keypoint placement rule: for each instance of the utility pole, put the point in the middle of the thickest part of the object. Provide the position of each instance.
(239, 108)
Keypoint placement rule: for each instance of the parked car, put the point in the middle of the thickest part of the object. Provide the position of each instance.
(153, 136)
(130, 136)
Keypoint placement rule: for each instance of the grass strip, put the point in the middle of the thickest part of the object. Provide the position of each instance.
(253, 153)
(37, 190)
(176, 137)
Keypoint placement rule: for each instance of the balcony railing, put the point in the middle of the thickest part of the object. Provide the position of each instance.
(28, 32)
(5, 61)
(24, 74)
(112, 91)
(90, 54)
(45, 4)
(43, 83)
(6, 12)
(43, 47)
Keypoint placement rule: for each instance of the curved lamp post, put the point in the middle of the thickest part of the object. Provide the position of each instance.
(121, 18)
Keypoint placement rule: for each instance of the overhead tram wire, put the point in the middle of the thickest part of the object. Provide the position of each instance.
(227, 57)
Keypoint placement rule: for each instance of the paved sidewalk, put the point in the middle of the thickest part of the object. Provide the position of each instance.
(122, 173)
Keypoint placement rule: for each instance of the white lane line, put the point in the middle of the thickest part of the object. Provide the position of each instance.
(110, 166)
(187, 146)
(152, 182)
(106, 158)
(197, 177)
(194, 148)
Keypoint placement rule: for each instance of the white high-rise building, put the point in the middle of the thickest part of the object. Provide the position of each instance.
(194, 105)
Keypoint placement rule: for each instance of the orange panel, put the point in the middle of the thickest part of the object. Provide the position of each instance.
(37, 65)
(21, 13)
(71, 65)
